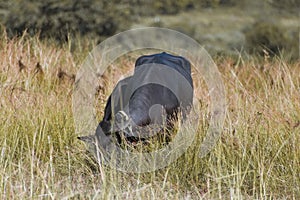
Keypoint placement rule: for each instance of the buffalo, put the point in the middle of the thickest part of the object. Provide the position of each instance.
(150, 99)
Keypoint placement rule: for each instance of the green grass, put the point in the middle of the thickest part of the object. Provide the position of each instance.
(258, 155)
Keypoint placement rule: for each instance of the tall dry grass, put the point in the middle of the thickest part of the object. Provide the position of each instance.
(257, 157)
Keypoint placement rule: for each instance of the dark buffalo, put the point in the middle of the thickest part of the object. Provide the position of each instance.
(160, 87)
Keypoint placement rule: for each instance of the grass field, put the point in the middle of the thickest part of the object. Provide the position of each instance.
(258, 156)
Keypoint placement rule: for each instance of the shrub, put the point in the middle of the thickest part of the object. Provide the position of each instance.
(290, 4)
(266, 36)
(59, 18)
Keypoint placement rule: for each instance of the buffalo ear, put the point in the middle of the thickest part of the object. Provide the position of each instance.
(90, 139)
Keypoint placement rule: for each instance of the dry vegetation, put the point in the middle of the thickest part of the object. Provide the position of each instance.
(257, 157)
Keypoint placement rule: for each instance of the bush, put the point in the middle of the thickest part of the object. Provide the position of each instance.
(59, 18)
(173, 7)
(287, 4)
(266, 36)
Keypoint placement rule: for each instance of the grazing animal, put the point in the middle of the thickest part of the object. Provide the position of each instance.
(160, 87)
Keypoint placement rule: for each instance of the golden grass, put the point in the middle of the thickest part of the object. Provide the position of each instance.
(258, 155)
